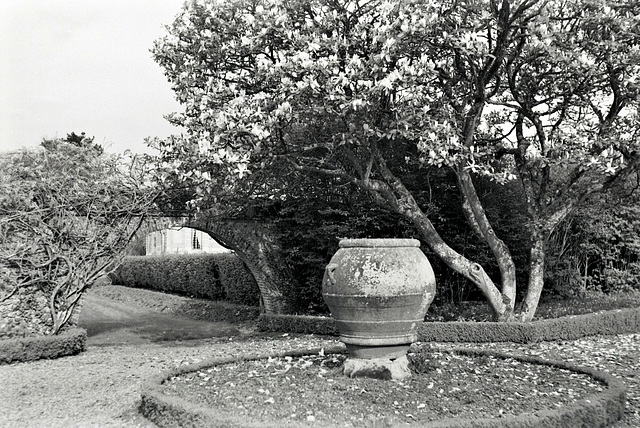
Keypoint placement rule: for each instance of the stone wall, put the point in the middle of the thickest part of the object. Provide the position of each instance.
(254, 242)
(25, 313)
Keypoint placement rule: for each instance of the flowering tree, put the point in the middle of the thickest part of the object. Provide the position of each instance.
(67, 212)
(540, 91)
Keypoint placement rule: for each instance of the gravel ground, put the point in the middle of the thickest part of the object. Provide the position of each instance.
(312, 391)
(101, 387)
(618, 355)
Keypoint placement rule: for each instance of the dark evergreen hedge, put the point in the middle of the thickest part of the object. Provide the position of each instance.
(71, 342)
(211, 276)
(203, 310)
(597, 410)
(619, 321)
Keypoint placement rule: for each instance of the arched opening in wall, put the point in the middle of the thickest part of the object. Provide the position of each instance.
(252, 243)
(182, 240)
(191, 261)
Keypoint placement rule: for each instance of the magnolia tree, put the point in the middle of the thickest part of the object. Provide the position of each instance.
(67, 212)
(544, 92)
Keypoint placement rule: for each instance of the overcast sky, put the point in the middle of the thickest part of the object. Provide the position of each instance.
(83, 66)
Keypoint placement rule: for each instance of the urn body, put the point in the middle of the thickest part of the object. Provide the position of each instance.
(378, 291)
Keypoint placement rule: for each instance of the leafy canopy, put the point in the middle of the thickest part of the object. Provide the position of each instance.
(545, 92)
(317, 81)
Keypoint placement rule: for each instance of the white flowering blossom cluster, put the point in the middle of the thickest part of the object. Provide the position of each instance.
(249, 73)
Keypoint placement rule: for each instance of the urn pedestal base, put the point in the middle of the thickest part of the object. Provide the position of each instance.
(378, 291)
(390, 352)
(378, 368)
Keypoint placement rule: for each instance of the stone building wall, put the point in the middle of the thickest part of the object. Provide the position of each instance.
(180, 241)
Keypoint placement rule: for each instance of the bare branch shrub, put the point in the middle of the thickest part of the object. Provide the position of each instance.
(66, 215)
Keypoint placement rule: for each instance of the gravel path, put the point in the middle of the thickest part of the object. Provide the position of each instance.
(101, 387)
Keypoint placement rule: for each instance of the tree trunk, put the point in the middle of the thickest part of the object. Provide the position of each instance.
(500, 305)
(256, 244)
(476, 217)
(536, 277)
(402, 201)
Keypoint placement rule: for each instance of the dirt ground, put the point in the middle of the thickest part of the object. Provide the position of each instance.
(109, 322)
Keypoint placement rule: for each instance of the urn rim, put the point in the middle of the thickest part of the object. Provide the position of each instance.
(379, 243)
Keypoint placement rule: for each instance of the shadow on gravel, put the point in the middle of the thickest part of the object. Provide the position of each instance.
(109, 322)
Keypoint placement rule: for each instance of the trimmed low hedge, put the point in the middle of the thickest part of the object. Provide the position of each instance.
(618, 321)
(597, 410)
(211, 276)
(71, 342)
(305, 324)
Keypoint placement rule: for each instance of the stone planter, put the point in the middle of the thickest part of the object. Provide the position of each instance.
(378, 291)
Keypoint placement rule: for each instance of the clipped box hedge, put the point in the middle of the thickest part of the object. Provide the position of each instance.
(597, 410)
(619, 321)
(71, 342)
(211, 276)
(305, 324)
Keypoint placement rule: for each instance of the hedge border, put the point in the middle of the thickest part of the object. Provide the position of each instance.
(70, 342)
(212, 276)
(619, 321)
(596, 410)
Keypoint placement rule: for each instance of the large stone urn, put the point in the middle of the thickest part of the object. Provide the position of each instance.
(378, 291)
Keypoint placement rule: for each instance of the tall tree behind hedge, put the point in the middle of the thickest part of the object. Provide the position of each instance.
(598, 248)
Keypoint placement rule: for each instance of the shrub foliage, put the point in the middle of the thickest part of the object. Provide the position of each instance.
(206, 275)
(67, 212)
(598, 249)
